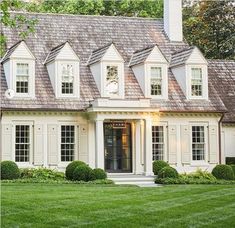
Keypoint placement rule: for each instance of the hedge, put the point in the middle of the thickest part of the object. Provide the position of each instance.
(71, 167)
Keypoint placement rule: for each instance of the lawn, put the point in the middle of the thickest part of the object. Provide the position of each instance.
(70, 205)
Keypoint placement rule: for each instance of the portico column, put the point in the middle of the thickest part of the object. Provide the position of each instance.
(138, 146)
(148, 163)
(99, 135)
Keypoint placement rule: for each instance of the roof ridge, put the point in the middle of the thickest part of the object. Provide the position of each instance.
(83, 15)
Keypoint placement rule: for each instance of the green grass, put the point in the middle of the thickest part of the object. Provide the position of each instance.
(70, 205)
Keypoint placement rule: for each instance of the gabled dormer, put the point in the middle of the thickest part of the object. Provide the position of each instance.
(189, 67)
(107, 67)
(150, 68)
(19, 68)
(63, 68)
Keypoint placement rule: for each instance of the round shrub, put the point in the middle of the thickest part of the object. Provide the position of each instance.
(223, 172)
(9, 170)
(233, 168)
(82, 173)
(99, 174)
(158, 165)
(168, 172)
(71, 167)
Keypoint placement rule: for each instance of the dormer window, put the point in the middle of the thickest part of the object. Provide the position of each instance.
(63, 68)
(107, 67)
(156, 81)
(150, 68)
(19, 69)
(22, 78)
(67, 79)
(196, 82)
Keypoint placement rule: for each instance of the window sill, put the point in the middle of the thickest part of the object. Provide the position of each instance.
(199, 163)
(24, 165)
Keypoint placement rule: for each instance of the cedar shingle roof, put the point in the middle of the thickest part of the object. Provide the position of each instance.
(180, 57)
(98, 54)
(54, 52)
(87, 33)
(10, 51)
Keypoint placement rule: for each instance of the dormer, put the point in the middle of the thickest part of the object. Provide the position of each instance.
(189, 67)
(107, 67)
(63, 68)
(150, 68)
(19, 68)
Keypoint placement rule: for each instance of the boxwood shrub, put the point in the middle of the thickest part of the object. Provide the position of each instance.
(83, 173)
(168, 172)
(71, 167)
(158, 165)
(99, 174)
(223, 172)
(233, 168)
(9, 170)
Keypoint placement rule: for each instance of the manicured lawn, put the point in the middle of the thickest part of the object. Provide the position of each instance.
(70, 205)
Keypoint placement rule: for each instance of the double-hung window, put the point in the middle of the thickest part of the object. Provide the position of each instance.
(196, 82)
(156, 81)
(158, 142)
(198, 143)
(22, 143)
(67, 79)
(112, 80)
(67, 143)
(22, 78)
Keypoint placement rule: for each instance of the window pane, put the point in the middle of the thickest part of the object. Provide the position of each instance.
(112, 81)
(198, 143)
(158, 142)
(196, 82)
(156, 81)
(67, 142)
(22, 78)
(67, 79)
(22, 143)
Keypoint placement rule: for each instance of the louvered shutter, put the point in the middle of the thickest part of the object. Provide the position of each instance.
(185, 144)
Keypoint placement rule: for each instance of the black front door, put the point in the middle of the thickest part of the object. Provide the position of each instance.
(117, 148)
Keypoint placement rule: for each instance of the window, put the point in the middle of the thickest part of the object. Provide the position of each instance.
(67, 79)
(22, 143)
(22, 78)
(67, 143)
(156, 81)
(158, 142)
(196, 83)
(198, 143)
(112, 84)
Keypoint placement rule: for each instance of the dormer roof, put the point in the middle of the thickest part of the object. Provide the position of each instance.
(99, 54)
(13, 48)
(181, 57)
(54, 53)
(142, 55)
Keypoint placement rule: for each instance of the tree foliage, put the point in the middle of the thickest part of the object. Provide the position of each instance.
(210, 26)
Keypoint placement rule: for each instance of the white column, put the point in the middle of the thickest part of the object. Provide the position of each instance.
(138, 146)
(99, 135)
(91, 144)
(148, 163)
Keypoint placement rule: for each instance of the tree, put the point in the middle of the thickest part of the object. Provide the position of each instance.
(23, 24)
(210, 26)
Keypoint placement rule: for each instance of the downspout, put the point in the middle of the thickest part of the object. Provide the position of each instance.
(219, 127)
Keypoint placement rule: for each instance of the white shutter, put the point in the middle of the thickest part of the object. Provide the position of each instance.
(213, 144)
(52, 144)
(185, 144)
(39, 143)
(7, 143)
(172, 144)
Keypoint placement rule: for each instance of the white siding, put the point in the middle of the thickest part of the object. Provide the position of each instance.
(196, 58)
(67, 53)
(156, 56)
(112, 55)
(139, 71)
(180, 75)
(51, 68)
(7, 71)
(22, 52)
(96, 72)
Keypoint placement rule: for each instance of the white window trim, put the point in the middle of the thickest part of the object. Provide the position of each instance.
(31, 148)
(120, 66)
(77, 129)
(204, 81)
(205, 161)
(164, 85)
(76, 81)
(31, 79)
(165, 138)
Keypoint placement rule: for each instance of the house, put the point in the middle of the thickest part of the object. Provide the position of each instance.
(116, 93)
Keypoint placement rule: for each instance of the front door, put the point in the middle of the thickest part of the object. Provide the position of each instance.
(117, 147)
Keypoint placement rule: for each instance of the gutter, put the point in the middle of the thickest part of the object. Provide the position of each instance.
(219, 127)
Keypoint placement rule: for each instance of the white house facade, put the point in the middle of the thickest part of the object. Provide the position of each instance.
(116, 93)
